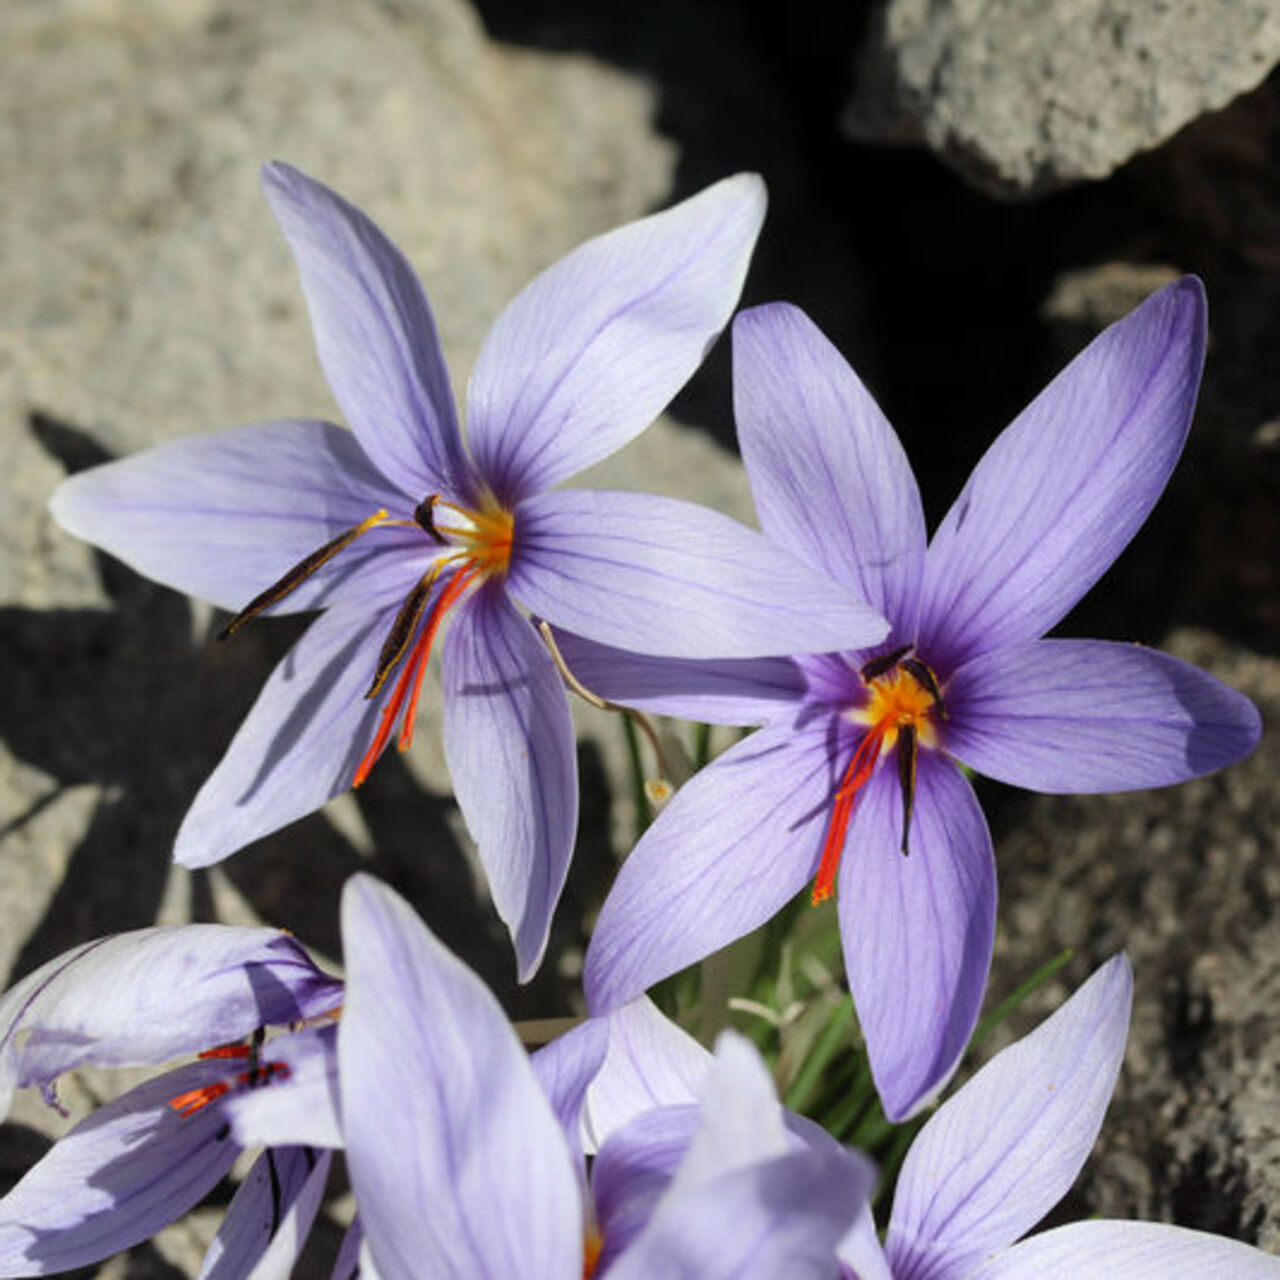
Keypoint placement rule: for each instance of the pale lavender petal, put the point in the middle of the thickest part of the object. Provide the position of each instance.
(566, 1068)
(1084, 715)
(300, 743)
(301, 1107)
(1061, 492)
(509, 742)
(735, 844)
(996, 1157)
(861, 1252)
(1128, 1251)
(269, 1217)
(660, 576)
(224, 515)
(145, 997)
(721, 691)
(458, 1163)
(591, 351)
(651, 1062)
(375, 336)
(830, 479)
(918, 929)
(130, 1168)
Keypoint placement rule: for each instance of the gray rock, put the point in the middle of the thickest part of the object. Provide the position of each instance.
(1022, 96)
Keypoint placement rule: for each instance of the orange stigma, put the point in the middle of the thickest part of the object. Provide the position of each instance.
(902, 699)
(592, 1247)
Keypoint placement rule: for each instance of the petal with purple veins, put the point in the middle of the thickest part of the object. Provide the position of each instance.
(566, 1068)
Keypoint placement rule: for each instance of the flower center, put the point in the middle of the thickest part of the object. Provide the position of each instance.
(592, 1247)
(903, 700)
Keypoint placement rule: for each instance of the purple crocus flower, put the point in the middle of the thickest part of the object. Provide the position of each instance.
(146, 1158)
(996, 1157)
(394, 525)
(861, 749)
(466, 1157)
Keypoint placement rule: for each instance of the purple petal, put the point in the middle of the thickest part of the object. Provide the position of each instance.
(348, 1263)
(120, 1175)
(300, 744)
(269, 1217)
(1129, 1251)
(509, 742)
(660, 576)
(860, 1250)
(145, 997)
(1061, 492)
(1085, 715)
(458, 1163)
(301, 1107)
(375, 337)
(566, 1068)
(831, 482)
(735, 844)
(999, 1154)
(224, 515)
(918, 930)
(591, 351)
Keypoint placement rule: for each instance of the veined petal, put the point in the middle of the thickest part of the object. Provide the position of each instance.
(566, 1068)
(145, 997)
(508, 739)
(735, 844)
(1061, 492)
(665, 577)
(830, 479)
(861, 1252)
(459, 1165)
(591, 351)
(999, 1154)
(1086, 715)
(375, 336)
(1128, 1251)
(225, 514)
(299, 745)
(301, 1107)
(918, 930)
(348, 1265)
(130, 1168)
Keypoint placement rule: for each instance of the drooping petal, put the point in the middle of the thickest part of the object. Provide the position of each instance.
(130, 1168)
(734, 845)
(301, 1107)
(1085, 715)
(830, 479)
(300, 743)
(566, 1068)
(918, 930)
(1128, 1251)
(660, 576)
(459, 1165)
(134, 999)
(508, 739)
(999, 1154)
(375, 336)
(1061, 492)
(592, 350)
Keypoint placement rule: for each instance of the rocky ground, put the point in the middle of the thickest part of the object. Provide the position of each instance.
(145, 293)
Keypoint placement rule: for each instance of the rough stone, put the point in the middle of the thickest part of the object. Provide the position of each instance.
(1022, 96)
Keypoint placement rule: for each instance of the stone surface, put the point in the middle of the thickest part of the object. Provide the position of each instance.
(1022, 96)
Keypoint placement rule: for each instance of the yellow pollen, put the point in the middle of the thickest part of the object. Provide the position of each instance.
(897, 699)
(484, 537)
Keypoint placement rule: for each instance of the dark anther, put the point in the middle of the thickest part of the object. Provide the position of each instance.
(886, 662)
(907, 745)
(424, 514)
(923, 675)
(224, 1132)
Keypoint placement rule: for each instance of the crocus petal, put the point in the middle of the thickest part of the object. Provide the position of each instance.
(733, 846)
(375, 336)
(830, 480)
(1061, 492)
(301, 1107)
(660, 576)
(1128, 1251)
(861, 1252)
(1085, 715)
(347, 1264)
(565, 1069)
(299, 745)
(120, 1175)
(459, 1165)
(918, 930)
(269, 1217)
(508, 739)
(145, 997)
(999, 1154)
(224, 515)
(591, 351)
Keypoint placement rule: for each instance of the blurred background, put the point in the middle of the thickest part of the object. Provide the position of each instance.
(961, 195)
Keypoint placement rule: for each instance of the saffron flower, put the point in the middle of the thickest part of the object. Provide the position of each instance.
(395, 524)
(854, 782)
(1000, 1153)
